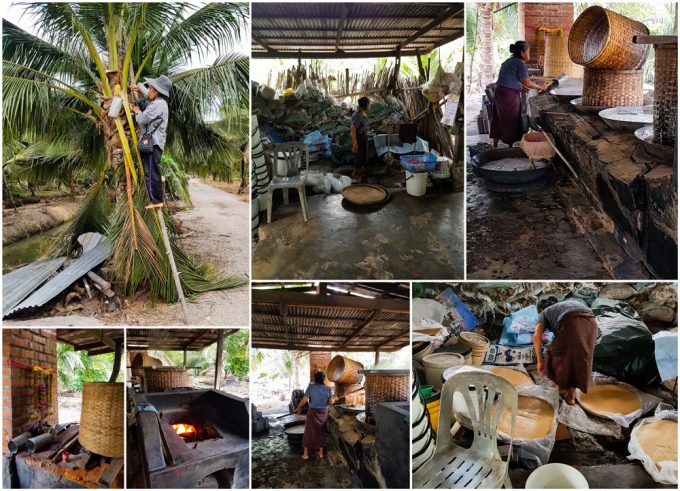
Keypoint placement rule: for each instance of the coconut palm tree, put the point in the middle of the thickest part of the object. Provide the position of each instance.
(57, 89)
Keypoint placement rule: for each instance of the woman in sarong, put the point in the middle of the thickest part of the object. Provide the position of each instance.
(569, 357)
(319, 397)
(513, 78)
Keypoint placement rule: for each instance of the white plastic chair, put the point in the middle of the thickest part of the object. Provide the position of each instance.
(291, 154)
(480, 466)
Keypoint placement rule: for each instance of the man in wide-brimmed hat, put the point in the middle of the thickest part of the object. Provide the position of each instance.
(152, 116)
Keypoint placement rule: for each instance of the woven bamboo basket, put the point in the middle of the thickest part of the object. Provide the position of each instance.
(142, 361)
(102, 418)
(666, 94)
(163, 378)
(352, 392)
(384, 386)
(556, 61)
(343, 370)
(612, 88)
(603, 39)
(318, 362)
(478, 343)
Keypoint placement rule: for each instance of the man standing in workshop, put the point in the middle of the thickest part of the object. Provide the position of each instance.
(359, 132)
(569, 358)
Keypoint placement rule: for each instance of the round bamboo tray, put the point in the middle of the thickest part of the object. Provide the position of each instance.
(666, 94)
(478, 343)
(163, 378)
(102, 425)
(384, 386)
(343, 370)
(603, 39)
(556, 59)
(611, 88)
(142, 361)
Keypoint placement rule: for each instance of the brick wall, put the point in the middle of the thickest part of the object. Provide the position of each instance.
(548, 15)
(33, 347)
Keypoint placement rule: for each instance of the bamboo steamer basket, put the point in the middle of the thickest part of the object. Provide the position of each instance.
(163, 378)
(102, 424)
(142, 361)
(384, 386)
(556, 59)
(612, 88)
(603, 39)
(666, 94)
(343, 370)
(479, 344)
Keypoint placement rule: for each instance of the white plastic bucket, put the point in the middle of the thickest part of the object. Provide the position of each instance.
(416, 184)
(436, 363)
(556, 476)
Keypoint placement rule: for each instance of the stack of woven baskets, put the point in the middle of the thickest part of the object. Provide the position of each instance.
(602, 41)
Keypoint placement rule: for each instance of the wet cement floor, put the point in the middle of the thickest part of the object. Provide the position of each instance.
(406, 238)
(276, 464)
(525, 235)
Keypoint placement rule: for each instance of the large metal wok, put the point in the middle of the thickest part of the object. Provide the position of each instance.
(480, 160)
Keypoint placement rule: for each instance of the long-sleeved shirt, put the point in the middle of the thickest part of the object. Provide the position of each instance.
(152, 111)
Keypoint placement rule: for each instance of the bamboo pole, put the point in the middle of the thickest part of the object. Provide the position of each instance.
(173, 266)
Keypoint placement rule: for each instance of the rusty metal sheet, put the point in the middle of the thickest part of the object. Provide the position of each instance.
(94, 256)
(18, 284)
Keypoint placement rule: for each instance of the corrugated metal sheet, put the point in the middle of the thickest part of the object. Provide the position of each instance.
(96, 255)
(18, 284)
(368, 27)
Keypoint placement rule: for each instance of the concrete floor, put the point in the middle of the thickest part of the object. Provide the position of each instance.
(405, 238)
(525, 235)
(276, 464)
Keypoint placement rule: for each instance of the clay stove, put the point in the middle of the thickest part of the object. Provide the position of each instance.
(192, 438)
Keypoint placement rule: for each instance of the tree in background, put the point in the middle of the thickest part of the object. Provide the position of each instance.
(56, 90)
(76, 367)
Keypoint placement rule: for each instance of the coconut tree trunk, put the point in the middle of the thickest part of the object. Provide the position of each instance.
(486, 36)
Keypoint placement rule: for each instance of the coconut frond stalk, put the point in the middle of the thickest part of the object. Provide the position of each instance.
(58, 87)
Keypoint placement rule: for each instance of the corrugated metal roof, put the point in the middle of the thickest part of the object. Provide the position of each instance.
(283, 319)
(342, 30)
(172, 339)
(18, 284)
(94, 256)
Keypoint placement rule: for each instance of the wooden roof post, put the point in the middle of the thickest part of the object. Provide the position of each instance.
(218, 358)
(376, 360)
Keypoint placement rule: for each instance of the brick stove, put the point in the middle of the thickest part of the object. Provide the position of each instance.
(193, 438)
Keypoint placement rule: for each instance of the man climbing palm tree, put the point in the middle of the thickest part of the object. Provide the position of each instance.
(152, 116)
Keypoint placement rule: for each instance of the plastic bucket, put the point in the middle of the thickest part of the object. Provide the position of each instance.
(416, 184)
(554, 476)
(436, 363)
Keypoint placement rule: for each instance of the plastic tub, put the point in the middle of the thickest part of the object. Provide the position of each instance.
(436, 363)
(419, 163)
(426, 390)
(416, 184)
(556, 476)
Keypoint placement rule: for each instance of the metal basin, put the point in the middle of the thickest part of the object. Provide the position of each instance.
(482, 160)
(627, 118)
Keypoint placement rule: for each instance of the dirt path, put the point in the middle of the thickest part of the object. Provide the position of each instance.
(217, 231)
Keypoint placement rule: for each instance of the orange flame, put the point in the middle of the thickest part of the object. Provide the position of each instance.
(184, 430)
